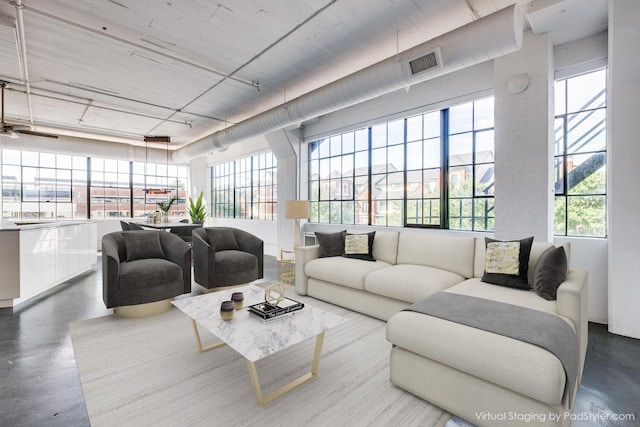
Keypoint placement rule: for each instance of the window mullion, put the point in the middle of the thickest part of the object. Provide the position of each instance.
(404, 176)
(131, 190)
(251, 187)
(370, 177)
(89, 188)
(444, 193)
(232, 190)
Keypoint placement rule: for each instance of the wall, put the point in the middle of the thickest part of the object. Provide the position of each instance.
(477, 81)
(524, 142)
(591, 255)
(623, 116)
(284, 144)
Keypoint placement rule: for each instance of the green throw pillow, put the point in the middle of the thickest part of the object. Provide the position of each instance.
(507, 262)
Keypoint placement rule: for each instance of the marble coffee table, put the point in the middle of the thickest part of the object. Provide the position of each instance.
(255, 339)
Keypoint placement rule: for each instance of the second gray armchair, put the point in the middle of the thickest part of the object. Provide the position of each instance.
(225, 256)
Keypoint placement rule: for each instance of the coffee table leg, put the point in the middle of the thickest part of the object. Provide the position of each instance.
(202, 349)
(255, 383)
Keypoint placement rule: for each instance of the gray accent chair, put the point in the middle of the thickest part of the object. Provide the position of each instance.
(185, 232)
(135, 226)
(140, 267)
(225, 256)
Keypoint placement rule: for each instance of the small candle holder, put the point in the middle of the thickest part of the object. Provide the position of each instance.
(238, 299)
(226, 310)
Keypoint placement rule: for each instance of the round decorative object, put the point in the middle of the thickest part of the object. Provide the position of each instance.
(226, 310)
(274, 294)
(517, 84)
(238, 299)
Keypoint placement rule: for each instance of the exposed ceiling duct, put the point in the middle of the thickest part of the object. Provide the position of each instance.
(487, 38)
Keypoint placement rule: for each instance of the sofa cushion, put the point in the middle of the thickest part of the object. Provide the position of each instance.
(148, 273)
(409, 283)
(342, 271)
(385, 246)
(515, 365)
(507, 262)
(331, 244)
(550, 271)
(523, 297)
(142, 245)
(234, 262)
(454, 254)
(359, 246)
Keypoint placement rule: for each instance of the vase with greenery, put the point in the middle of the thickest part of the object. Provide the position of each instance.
(197, 210)
(165, 206)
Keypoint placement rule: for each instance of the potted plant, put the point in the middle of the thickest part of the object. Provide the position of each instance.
(197, 211)
(165, 206)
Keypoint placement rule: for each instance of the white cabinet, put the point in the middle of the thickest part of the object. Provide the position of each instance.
(49, 254)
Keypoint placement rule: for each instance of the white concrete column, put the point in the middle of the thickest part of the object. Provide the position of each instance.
(284, 145)
(524, 141)
(623, 168)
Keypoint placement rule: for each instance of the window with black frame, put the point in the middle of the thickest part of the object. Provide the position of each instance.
(40, 185)
(580, 161)
(429, 170)
(245, 188)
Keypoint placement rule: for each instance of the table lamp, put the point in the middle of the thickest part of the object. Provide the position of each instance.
(296, 209)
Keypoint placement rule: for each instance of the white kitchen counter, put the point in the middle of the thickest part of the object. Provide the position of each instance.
(35, 257)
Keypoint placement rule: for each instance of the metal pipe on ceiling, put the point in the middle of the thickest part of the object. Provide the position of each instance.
(22, 48)
(484, 39)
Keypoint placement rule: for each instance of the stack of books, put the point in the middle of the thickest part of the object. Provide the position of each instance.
(269, 312)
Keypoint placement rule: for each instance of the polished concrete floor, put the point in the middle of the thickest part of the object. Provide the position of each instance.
(39, 384)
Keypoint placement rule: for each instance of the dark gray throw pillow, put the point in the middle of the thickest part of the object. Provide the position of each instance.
(331, 244)
(507, 262)
(550, 271)
(359, 246)
(222, 239)
(142, 245)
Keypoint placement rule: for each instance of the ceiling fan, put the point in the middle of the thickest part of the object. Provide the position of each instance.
(12, 130)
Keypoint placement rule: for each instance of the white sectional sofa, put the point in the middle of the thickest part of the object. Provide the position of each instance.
(483, 377)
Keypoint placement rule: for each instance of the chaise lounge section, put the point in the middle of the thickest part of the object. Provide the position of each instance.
(481, 376)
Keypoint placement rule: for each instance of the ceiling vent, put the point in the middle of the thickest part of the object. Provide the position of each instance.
(425, 62)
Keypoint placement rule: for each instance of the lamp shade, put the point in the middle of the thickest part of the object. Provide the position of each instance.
(296, 209)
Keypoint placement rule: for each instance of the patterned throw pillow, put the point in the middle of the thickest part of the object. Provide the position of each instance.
(503, 257)
(507, 262)
(359, 246)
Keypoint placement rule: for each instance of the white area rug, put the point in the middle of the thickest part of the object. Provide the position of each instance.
(148, 372)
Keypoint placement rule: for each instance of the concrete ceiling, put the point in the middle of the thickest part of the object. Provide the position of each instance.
(121, 69)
